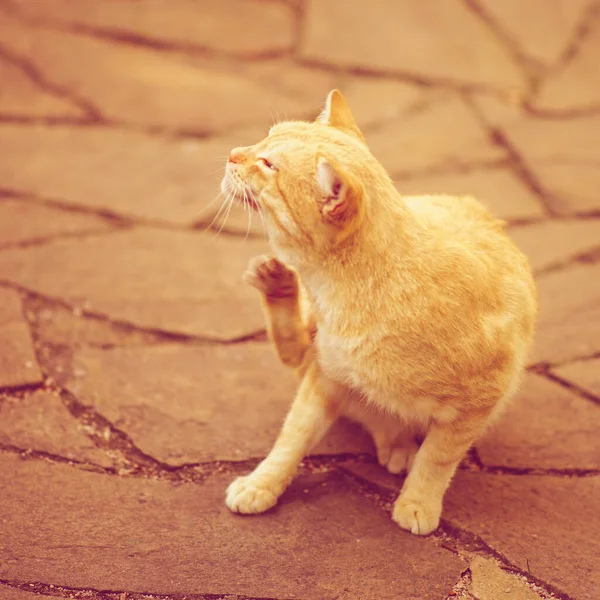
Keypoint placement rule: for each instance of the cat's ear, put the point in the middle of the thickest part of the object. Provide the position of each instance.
(338, 200)
(337, 114)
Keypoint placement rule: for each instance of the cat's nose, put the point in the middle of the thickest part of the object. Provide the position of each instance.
(236, 155)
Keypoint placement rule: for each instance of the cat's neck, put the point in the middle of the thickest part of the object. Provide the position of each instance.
(387, 235)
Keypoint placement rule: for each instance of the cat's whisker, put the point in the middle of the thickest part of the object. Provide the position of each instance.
(226, 216)
(259, 211)
(213, 201)
(246, 203)
(216, 217)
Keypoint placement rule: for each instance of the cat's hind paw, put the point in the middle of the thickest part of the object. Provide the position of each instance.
(397, 457)
(418, 517)
(245, 497)
(271, 277)
(401, 458)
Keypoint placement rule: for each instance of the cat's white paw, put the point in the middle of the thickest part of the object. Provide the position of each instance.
(246, 497)
(420, 517)
(271, 277)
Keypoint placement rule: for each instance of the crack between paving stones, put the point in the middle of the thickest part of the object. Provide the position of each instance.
(516, 161)
(561, 114)
(401, 76)
(545, 371)
(527, 66)
(450, 167)
(46, 120)
(21, 390)
(42, 241)
(140, 40)
(587, 21)
(589, 257)
(542, 367)
(461, 588)
(60, 591)
(92, 113)
(161, 335)
(117, 220)
(105, 215)
(32, 454)
(299, 10)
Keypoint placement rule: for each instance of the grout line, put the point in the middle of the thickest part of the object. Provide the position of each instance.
(61, 591)
(163, 335)
(572, 387)
(36, 76)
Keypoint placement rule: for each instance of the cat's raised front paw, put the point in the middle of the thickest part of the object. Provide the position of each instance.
(246, 497)
(418, 517)
(271, 277)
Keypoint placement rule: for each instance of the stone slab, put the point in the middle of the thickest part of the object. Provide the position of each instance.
(554, 21)
(545, 525)
(198, 403)
(153, 89)
(554, 242)
(575, 85)
(498, 189)
(41, 422)
(374, 101)
(128, 173)
(21, 97)
(584, 373)
(569, 318)
(12, 593)
(563, 155)
(18, 366)
(195, 23)
(188, 283)
(26, 221)
(490, 582)
(60, 326)
(69, 527)
(445, 134)
(433, 40)
(546, 426)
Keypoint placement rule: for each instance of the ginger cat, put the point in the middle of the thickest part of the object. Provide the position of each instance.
(421, 309)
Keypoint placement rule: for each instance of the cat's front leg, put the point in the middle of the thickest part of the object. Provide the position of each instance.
(314, 409)
(281, 292)
(419, 506)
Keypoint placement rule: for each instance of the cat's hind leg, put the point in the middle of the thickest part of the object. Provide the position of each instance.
(419, 506)
(395, 440)
(288, 318)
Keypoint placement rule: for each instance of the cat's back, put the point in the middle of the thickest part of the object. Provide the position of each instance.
(451, 213)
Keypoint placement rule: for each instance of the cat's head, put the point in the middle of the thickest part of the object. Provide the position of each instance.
(307, 179)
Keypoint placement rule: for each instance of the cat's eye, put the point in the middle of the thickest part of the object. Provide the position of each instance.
(267, 164)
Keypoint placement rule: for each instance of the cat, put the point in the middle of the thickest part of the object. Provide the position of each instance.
(413, 315)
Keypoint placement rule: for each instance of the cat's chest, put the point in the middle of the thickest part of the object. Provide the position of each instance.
(347, 360)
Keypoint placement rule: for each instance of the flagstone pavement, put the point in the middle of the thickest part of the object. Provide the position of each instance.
(135, 376)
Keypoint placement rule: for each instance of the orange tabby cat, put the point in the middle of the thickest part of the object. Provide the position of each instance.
(422, 309)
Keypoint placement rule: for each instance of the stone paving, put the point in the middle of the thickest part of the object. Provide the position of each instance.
(135, 377)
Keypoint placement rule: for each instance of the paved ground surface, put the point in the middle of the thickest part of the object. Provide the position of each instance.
(136, 380)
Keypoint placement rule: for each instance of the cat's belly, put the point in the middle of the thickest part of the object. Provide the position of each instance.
(389, 380)
(353, 364)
